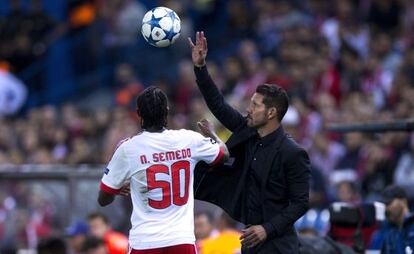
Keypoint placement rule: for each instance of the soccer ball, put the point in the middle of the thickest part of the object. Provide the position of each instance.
(161, 27)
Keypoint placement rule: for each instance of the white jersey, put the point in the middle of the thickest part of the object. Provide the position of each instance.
(160, 169)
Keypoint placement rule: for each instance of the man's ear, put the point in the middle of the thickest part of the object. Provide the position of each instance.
(272, 113)
(138, 113)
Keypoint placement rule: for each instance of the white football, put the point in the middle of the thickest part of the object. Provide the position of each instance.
(161, 26)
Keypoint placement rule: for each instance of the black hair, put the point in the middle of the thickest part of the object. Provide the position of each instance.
(53, 245)
(152, 107)
(274, 96)
(92, 243)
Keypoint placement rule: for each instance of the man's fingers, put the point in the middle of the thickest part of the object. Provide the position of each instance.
(200, 38)
(197, 38)
(205, 44)
(202, 127)
(249, 238)
(124, 193)
(246, 233)
(203, 122)
(190, 42)
(250, 242)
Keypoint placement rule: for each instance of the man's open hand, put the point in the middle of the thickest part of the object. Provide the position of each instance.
(206, 128)
(199, 50)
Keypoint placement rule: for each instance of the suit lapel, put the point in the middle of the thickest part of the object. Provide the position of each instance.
(273, 153)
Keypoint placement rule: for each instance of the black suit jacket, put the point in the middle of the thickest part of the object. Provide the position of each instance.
(288, 171)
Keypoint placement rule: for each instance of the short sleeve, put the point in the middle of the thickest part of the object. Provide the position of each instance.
(116, 173)
(206, 149)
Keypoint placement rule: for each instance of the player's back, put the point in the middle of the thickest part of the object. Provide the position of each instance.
(160, 167)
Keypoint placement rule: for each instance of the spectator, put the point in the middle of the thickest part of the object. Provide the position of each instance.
(203, 227)
(344, 183)
(378, 171)
(325, 153)
(404, 172)
(227, 241)
(116, 242)
(397, 234)
(341, 61)
(353, 157)
(76, 234)
(318, 195)
(128, 86)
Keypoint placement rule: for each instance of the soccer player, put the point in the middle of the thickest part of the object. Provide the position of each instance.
(158, 163)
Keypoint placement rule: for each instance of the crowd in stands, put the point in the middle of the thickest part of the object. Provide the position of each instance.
(94, 236)
(341, 61)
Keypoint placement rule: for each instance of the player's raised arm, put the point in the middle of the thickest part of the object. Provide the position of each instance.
(207, 129)
(227, 115)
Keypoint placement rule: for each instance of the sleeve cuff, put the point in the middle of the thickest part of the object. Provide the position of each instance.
(218, 158)
(107, 189)
(201, 72)
(270, 229)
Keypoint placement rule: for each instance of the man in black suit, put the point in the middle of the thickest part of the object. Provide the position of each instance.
(266, 186)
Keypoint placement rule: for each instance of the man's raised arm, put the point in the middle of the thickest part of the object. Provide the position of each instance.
(227, 115)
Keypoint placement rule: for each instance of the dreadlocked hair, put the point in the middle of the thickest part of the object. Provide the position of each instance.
(152, 105)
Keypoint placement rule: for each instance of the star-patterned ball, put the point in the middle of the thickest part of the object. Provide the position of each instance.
(161, 26)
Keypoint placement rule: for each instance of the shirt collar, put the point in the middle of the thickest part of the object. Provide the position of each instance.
(271, 137)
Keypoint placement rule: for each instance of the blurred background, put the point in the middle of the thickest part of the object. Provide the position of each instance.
(71, 69)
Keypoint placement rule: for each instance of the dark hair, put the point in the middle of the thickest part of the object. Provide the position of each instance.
(152, 106)
(53, 245)
(274, 96)
(92, 243)
(98, 215)
(392, 192)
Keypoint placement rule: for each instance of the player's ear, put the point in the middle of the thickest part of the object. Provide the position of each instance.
(138, 112)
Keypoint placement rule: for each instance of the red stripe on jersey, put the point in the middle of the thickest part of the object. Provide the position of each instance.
(218, 158)
(107, 189)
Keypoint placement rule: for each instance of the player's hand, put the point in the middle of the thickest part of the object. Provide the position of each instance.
(206, 128)
(252, 236)
(199, 50)
(125, 190)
